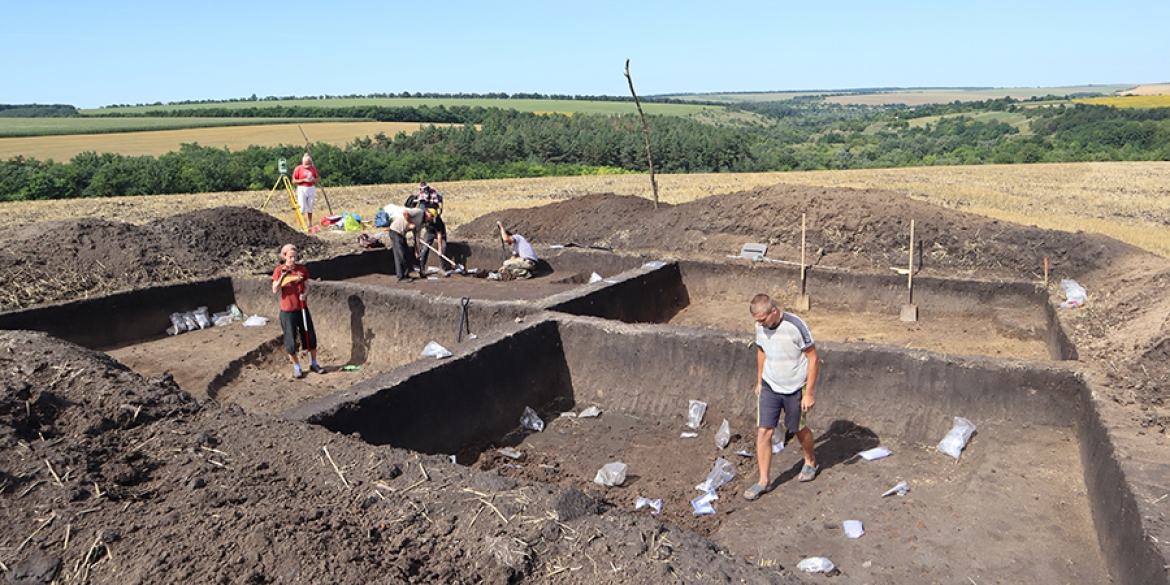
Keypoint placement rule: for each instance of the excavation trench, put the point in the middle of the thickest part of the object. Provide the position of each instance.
(1036, 496)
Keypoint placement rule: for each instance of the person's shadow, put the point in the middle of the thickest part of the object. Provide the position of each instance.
(840, 444)
(359, 345)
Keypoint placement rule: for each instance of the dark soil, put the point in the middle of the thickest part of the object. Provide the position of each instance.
(861, 229)
(110, 477)
(68, 259)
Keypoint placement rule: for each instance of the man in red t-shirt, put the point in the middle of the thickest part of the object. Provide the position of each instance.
(291, 281)
(305, 176)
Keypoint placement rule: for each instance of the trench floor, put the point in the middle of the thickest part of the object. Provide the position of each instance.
(250, 363)
(1010, 334)
(533, 289)
(1013, 509)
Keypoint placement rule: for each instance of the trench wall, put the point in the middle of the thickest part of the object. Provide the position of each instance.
(655, 370)
(1129, 553)
(362, 324)
(447, 406)
(642, 295)
(121, 318)
(848, 291)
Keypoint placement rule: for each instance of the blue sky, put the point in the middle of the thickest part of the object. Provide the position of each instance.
(93, 54)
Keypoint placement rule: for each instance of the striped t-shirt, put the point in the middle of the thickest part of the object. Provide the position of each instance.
(785, 365)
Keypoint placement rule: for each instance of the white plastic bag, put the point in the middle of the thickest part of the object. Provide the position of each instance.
(816, 565)
(853, 529)
(594, 278)
(721, 473)
(177, 324)
(901, 489)
(875, 453)
(435, 350)
(723, 435)
(255, 321)
(957, 437)
(511, 452)
(702, 504)
(695, 413)
(201, 317)
(611, 474)
(590, 412)
(1075, 293)
(655, 505)
(530, 420)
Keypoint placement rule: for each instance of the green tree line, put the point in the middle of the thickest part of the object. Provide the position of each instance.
(493, 143)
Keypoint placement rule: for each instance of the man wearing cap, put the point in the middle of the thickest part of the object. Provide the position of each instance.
(402, 220)
(305, 176)
(434, 231)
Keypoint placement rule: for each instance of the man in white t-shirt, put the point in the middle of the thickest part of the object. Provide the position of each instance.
(403, 220)
(786, 377)
(523, 258)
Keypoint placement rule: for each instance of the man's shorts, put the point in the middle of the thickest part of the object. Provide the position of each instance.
(306, 195)
(771, 404)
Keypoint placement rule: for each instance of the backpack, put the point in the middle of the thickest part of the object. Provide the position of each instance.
(381, 219)
(365, 241)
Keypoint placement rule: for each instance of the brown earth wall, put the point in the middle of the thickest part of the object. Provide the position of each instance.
(451, 405)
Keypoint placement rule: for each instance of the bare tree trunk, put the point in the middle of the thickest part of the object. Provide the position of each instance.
(645, 133)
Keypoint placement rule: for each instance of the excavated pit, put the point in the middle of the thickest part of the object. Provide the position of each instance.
(1037, 488)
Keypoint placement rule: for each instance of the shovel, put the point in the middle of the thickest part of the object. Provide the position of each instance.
(802, 300)
(458, 267)
(910, 310)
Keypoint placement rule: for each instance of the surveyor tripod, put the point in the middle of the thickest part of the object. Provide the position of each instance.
(292, 194)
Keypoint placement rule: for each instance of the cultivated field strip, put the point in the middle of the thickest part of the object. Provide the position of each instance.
(158, 142)
(1128, 201)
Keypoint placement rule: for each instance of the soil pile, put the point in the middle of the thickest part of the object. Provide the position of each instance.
(861, 229)
(106, 477)
(68, 259)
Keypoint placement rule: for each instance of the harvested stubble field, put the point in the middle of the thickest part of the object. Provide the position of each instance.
(1124, 200)
(151, 136)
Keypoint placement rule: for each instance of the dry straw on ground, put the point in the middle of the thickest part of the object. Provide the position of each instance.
(1127, 201)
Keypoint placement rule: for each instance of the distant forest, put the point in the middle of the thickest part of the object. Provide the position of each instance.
(487, 143)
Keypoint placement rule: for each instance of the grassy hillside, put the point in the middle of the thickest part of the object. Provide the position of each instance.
(523, 105)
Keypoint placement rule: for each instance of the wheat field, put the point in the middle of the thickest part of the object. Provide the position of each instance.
(1128, 201)
(158, 142)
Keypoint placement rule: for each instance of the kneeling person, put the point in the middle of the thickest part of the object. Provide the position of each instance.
(523, 258)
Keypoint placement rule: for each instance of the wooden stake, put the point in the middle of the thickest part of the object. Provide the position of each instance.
(1046, 273)
(910, 274)
(910, 310)
(802, 265)
(645, 134)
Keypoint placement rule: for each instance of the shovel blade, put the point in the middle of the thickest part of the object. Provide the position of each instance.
(909, 313)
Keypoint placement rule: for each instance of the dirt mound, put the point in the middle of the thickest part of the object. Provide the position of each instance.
(861, 229)
(106, 477)
(67, 259)
(209, 239)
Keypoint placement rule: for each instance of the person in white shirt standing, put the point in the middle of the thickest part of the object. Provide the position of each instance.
(306, 177)
(786, 380)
